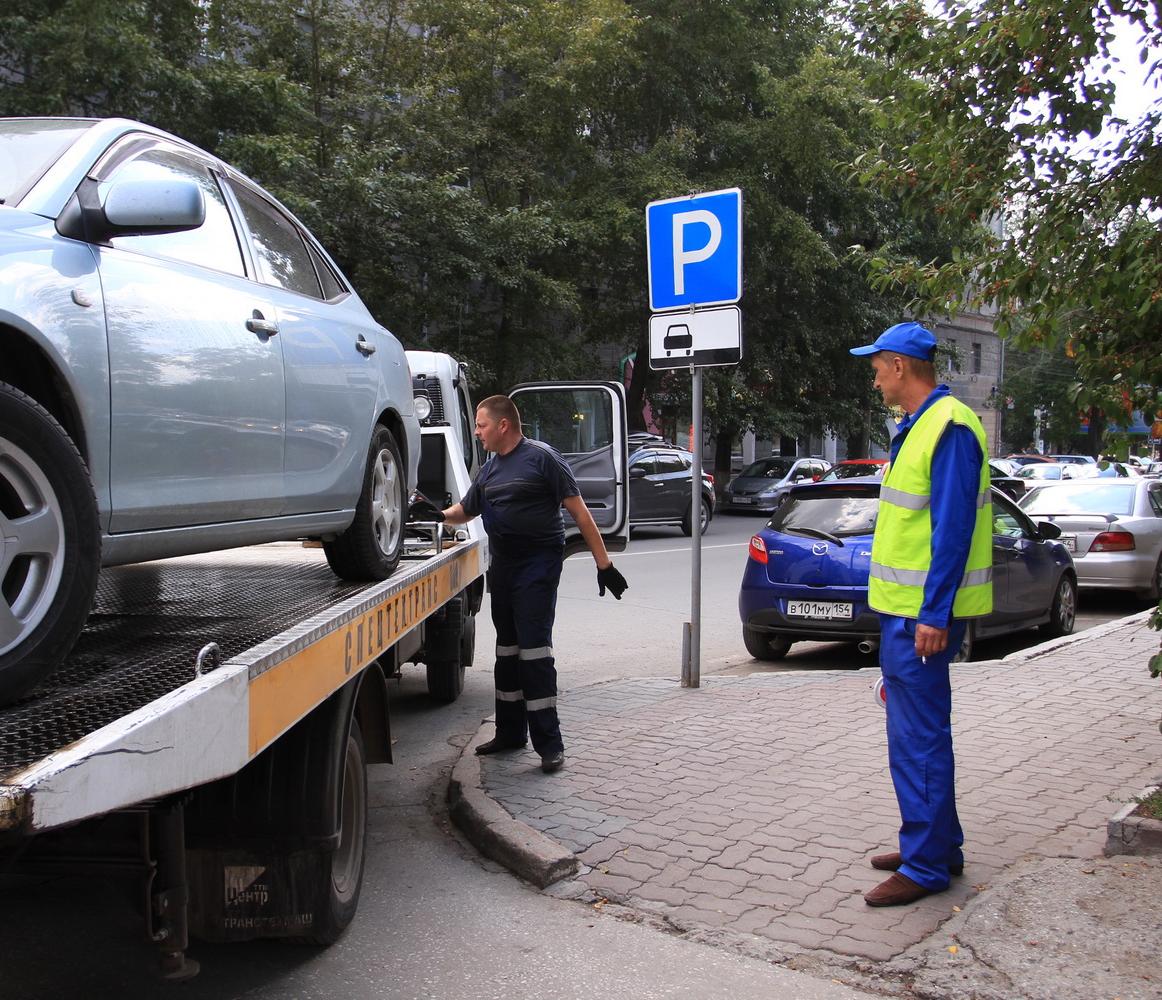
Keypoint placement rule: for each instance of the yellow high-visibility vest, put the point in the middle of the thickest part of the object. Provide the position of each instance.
(902, 545)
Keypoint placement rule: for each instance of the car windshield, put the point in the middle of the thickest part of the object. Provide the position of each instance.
(841, 513)
(1082, 498)
(1041, 470)
(767, 468)
(28, 147)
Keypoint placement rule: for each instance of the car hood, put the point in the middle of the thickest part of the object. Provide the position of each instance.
(805, 561)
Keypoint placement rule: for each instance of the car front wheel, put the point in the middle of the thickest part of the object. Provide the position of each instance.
(50, 543)
(688, 523)
(371, 547)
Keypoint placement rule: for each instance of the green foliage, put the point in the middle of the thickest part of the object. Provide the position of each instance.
(1003, 118)
(480, 168)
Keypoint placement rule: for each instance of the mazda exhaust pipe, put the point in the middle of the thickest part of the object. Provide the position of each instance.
(868, 646)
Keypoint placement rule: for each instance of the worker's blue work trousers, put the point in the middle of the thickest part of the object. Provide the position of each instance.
(523, 588)
(919, 709)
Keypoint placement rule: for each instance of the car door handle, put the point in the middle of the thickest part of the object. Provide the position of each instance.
(364, 348)
(260, 324)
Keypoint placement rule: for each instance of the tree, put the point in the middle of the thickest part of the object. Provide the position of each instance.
(1003, 112)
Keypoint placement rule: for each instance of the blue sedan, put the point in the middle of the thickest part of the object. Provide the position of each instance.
(807, 572)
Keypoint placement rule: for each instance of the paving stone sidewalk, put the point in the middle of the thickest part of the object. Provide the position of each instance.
(745, 811)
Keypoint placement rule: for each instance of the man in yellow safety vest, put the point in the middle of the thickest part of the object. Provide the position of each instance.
(931, 570)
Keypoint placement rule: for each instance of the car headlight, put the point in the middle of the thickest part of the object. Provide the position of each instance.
(423, 406)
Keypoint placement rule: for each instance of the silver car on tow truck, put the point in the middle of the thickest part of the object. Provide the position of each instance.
(182, 369)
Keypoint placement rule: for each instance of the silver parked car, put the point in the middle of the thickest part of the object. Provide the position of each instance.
(182, 369)
(764, 483)
(1112, 527)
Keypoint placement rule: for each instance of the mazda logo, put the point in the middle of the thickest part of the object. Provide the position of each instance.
(819, 549)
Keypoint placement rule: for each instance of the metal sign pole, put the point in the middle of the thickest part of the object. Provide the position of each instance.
(691, 665)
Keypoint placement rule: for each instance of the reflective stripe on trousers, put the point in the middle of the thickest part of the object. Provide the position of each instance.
(523, 593)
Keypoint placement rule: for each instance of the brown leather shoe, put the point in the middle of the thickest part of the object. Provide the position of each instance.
(898, 890)
(891, 862)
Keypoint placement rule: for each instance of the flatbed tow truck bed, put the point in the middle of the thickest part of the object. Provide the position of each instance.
(187, 671)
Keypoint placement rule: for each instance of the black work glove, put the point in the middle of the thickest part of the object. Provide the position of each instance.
(611, 578)
(422, 509)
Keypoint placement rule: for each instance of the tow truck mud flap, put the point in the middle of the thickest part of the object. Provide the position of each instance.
(241, 896)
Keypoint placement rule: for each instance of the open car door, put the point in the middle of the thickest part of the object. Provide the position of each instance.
(585, 422)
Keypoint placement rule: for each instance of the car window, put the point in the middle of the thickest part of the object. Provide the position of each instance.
(1007, 520)
(840, 512)
(283, 258)
(767, 468)
(213, 244)
(1083, 498)
(332, 286)
(1156, 501)
(668, 463)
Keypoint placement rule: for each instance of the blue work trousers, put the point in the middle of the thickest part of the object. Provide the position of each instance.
(523, 588)
(919, 709)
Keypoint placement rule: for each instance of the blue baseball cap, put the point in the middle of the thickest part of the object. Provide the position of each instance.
(904, 338)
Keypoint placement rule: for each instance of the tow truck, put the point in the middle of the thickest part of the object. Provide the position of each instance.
(210, 733)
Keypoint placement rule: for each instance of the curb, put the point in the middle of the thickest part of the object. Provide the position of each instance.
(1130, 834)
(495, 833)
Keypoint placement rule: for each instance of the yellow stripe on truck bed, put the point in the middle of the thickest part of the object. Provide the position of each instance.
(291, 688)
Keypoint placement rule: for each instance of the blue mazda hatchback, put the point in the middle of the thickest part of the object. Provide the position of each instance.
(807, 572)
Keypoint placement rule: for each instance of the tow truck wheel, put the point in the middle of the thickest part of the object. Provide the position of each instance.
(339, 897)
(371, 547)
(50, 543)
(446, 669)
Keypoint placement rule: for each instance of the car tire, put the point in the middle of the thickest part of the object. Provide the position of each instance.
(764, 645)
(445, 671)
(1154, 591)
(371, 547)
(967, 645)
(688, 522)
(50, 554)
(1063, 614)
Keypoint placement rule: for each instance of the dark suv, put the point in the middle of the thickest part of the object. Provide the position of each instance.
(659, 488)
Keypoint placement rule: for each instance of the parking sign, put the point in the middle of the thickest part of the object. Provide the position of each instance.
(694, 250)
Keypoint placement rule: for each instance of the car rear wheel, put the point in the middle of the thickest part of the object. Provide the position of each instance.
(371, 547)
(1154, 591)
(688, 523)
(50, 543)
(967, 645)
(1063, 614)
(764, 645)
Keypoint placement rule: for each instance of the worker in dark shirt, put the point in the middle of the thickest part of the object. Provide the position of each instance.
(519, 493)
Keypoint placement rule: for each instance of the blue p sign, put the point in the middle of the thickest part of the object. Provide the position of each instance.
(694, 250)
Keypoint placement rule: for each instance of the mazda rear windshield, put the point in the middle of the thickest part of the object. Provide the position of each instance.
(841, 513)
(28, 147)
(1090, 498)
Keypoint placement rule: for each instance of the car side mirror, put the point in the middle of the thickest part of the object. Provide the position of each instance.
(134, 208)
(637, 472)
(1047, 531)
